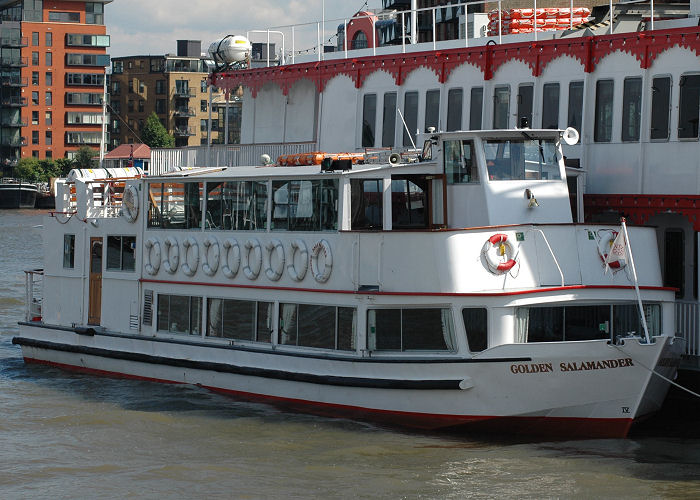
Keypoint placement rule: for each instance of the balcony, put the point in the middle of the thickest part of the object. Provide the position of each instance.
(13, 122)
(14, 142)
(184, 112)
(14, 62)
(14, 101)
(184, 132)
(14, 81)
(185, 93)
(14, 42)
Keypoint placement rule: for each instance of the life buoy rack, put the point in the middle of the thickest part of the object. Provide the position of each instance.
(191, 248)
(252, 265)
(152, 256)
(274, 274)
(499, 254)
(297, 274)
(211, 265)
(605, 246)
(321, 248)
(232, 258)
(171, 255)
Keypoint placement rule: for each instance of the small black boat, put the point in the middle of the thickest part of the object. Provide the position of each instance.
(15, 193)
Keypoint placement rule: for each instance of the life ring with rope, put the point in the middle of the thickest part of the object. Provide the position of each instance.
(499, 254)
(152, 256)
(210, 263)
(191, 248)
(232, 258)
(171, 257)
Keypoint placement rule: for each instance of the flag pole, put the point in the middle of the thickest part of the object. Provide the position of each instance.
(636, 284)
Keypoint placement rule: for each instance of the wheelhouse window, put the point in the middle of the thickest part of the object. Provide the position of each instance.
(476, 105)
(369, 120)
(689, 108)
(575, 115)
(602, 131)
(305, 205)
(410, 202)
(366, 204)
(410, 116)
(631, 109)
(476, 326)
(501, 107)
(121, 253)
(454, 109)
(525, 95)
(239, 319)
(536, 159)
(592, 322)
(324, 327)
(68, 251)
(460, 162)
(550, 105)
(389, 120)
(179, 314)
(175, 205)
(660, 108)
(236, 205)
(425, 329)
(432, 109)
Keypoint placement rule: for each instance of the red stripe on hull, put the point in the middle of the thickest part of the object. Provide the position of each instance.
(549, 427)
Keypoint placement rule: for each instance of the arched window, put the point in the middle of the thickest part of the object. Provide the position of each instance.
(359, 41)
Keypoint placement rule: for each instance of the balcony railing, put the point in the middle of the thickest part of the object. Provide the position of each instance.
(14, 41)
(14, 101)
(14, 62)
(184, 93)
(15, 142)
(9, 122)
(184, 131)
(184, 112)
(14, 81)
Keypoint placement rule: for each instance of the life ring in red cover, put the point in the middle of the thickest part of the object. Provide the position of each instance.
(499, 254)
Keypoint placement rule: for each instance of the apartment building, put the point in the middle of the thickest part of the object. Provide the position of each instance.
(52, 72)
(172, 86)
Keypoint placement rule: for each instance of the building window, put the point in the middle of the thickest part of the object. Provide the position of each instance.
(432, 109)
(116, 87)
(602, 131)
(35, 116)
(141, 105)
(35, 153)
(49, 78)
(410, 330)
(49, 59)
(48, 118)
(525, 95)
(203, 105)
(160, 86)
(81, 40)
(410, 116)
(131, 86)
(116, 107)
(575, 113)
(501, 107)
(94, 13)
(203, 125)
(87, 60)
(140, 124)
(369, 119)
(160, 106)
(240, 319)
(660, 108)
(320, 326)
(179, 314)
(631, 109)
(203, 86)
(688, 108)
(35, 97)
(476, 105)
(118, 67)
(550, 105)
(49, 154)
(49, 98)
(157, 64)
(475, 324)
(121, 252)
(35, 78)
(35, 59)
(454, 109)
(142, 88)
(48, 138)
(35, 38)
(130, 105)
(389, 120)
(87, 79)
(35, 137)
(68, 251)
(49, 39)
(64, 17)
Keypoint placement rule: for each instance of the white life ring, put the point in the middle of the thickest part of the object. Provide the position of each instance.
(210, 266)
(191, 247)
(232, 254)
(294, 273)
(499, 254)
(171, 254)
(605, 246)
(152, 256)
(277, 247)
(130, 203)
(321, 275)
(252, 265)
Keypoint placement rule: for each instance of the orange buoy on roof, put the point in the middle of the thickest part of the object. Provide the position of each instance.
(316, 158)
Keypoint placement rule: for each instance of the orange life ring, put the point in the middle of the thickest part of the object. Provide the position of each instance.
(496, 248)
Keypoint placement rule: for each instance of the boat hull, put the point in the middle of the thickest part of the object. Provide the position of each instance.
(17, 195)
(558, 390)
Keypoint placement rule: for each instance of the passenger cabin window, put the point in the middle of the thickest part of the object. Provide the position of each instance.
(324, 327)
(305, 205)
(366, 202)
(550, 105)
(410, 202)
(476, 105)
(175, 205)
(525, 93)
(603, 111)
(68, 251)
(572, 323)
(121, 251)
(410, 116)
(179, 314)
(522, 159)
(688, 110)
(389, 120)
(660, 108)
(239, 319)
(460, 162)
(236, 205)
(501, 107)
(575, 114)
(432, 110)
(428, 329)
(454, 109)
(631, 109)
(369, 120)
(475, 324)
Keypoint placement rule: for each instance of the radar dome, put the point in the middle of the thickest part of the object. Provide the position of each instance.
(230, 49)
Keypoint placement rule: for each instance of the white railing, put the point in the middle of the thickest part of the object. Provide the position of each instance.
(688, 325)
(33, 284)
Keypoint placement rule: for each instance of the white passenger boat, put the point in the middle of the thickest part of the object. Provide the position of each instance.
(447, 288)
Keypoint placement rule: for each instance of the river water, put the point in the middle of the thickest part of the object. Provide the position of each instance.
(67, 435)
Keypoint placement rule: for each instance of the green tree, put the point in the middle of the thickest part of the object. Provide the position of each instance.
(47, 170)
(84, 157)
(27, 169)
(155, 135)
(64, 166)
